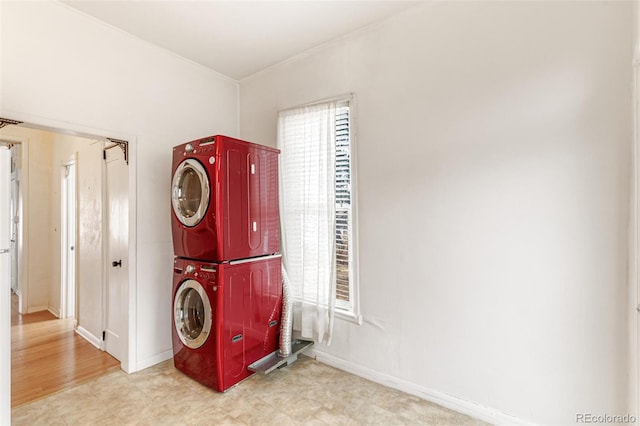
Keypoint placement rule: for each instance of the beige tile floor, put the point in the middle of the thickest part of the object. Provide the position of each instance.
(306, 392)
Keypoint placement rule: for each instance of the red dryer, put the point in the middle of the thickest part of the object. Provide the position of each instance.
(225, 199)
(226, 316)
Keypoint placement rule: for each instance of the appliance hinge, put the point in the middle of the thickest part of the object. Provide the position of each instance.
(6, 122)
(124, 146)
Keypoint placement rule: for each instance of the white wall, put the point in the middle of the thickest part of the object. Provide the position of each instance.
(38, 218)
(493, 144)
(633, 300)
(61, 68)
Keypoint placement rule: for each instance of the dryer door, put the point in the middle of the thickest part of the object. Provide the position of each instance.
(192, 314)
(190, 192)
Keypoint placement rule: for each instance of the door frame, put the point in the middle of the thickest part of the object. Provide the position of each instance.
(5, 306)
(23, 271)
(64, 241)
(129, 361)
(16, 264)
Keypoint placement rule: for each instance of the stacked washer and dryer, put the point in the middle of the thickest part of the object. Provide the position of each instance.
(227, 279)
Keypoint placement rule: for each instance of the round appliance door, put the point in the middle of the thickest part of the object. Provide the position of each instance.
(190, 192)
(192, 314)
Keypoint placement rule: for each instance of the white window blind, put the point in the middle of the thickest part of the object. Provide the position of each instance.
(343, 220)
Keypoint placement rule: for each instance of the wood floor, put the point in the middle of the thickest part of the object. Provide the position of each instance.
(47, 356)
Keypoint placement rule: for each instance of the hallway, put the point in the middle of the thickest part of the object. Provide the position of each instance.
(47, 356)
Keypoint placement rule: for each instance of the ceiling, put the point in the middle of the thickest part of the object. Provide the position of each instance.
(238, 38)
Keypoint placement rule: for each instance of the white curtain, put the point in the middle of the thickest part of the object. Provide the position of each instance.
(306, 138)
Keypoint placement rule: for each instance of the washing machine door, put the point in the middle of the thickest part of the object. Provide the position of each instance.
(190, 192)
(192, 314)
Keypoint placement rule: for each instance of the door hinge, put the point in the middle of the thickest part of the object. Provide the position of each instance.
(104, 336)
(104, 154)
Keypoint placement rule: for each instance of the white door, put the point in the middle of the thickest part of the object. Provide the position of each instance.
(117, 196)
(5, 287)
(90, 248)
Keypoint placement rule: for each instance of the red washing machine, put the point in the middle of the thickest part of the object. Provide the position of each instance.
(225, 199)
(226, 316)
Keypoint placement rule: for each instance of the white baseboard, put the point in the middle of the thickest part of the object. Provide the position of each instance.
(469, 408)
(54, 312)
(156, 359)
(95, 341)
(33, 309)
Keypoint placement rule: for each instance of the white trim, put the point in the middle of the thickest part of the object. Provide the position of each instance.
(54, 312)
(132, 299)
(349, 316)
(156, 359)
(25, 185)
(86, 335)
(34, 309)
(345, 97)
(470, 408)
(253, 259)
(5, 291)
(355, 220)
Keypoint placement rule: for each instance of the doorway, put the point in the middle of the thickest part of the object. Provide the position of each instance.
(70, 175)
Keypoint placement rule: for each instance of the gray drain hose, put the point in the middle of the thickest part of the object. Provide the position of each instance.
(286, 323)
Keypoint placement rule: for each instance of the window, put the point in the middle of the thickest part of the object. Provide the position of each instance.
(344, 217)
(317, 204)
